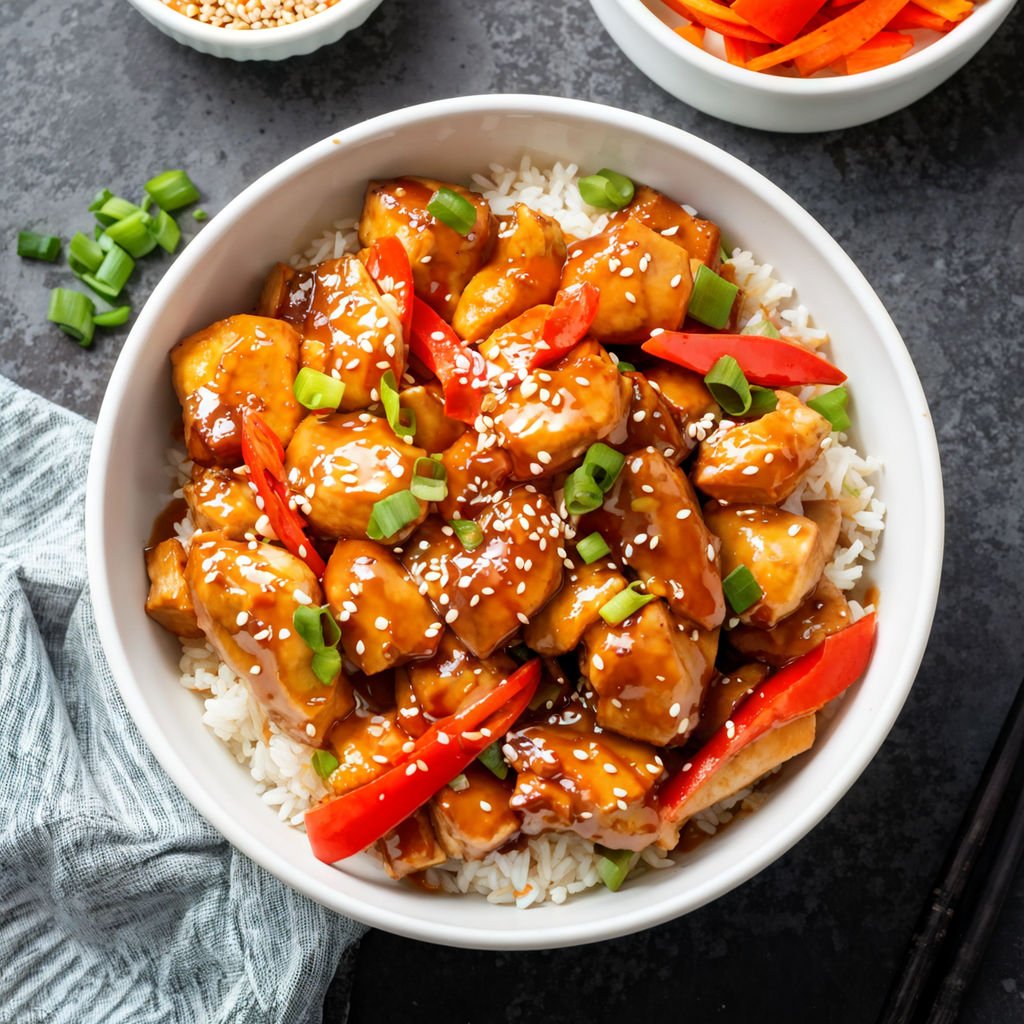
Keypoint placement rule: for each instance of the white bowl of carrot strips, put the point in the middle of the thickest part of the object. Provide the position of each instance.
(800, 65)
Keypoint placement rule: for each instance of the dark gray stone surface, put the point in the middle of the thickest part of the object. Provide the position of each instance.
(928, 202)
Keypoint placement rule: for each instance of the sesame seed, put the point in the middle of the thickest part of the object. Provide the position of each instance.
(622, 805)
(769, 458)
(676, 281)
(674, 710)
(683, 513)
(610, 768)
(630, 297)
(749, 470)
(360, 647)
(255, 670)
(451, 615)
(524, 619)
(485, 806)
(241, 618)
(653, 769)
(711, 552)
(619, 791)
(598, 662)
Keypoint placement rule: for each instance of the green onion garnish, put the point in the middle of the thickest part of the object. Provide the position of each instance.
(582, 493)
(614, 866)
(164, 228)
(429, 480)
(84, 254)
(712, 298)
(317, 628)
(113, 317)
(200, 214)
(99, 199)
(624, 603)
(728, 386)
(723, 253)
(324, 763)
(468, 532)
(603, 464)
(762, 401)
(103, 240)
(115, 209)
(625, 367)
(832, 405)
(764, 329)
(402, 421)
(591, 548)
(132, 234)
(521, 653)
(392, 514)
(171, 190)
(741, 590)
(491, 758)
(607, 190)
(72, 312)
(32, 246)
(112, 274)
(452, 209)
(459, 784)
(316, 390)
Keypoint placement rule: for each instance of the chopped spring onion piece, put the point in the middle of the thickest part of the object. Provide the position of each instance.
(132, 234)
(99, 199)
(591, 548)
(728, 386)
(459, 784)
(741, 590)
(832, 405)
(145, 203)
(712, 298)
(603, 464)
(762, 401)
(72, 312)
(115, 209)
(103, 240)
(112, 275)
(607, 190)
(200, 214)
(171, 190)
(429, 480)
(764, 329)
(452, 209)
(32, 246)
(326, 665)
(402, 421)
(84, 254)
(321, 634)
(546, 695)
(113, 317)
(723, 253)
(468, 532)
(491, 758)
(614, 866)
(624, 603)
(316, 390)
(165, 230)
(392, 514)
(625, 367)
(324, 763)
(582, 494)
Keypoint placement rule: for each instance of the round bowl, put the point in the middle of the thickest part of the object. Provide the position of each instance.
(258, 44)
(774, 103)
(220, 273)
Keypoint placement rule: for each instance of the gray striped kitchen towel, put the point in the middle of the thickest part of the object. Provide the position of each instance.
(118, 902)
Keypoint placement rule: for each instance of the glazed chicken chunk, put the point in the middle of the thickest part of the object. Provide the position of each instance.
(509, 349)
(686, 394)
(170, 601)
(475, 476)
(221, 499)
(410, 847)
(476, 818)
(700, 238)
(723, 695)
(434, 430)
(366, 746)
(649, 422)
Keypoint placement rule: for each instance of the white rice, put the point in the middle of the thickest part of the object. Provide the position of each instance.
(554, 866)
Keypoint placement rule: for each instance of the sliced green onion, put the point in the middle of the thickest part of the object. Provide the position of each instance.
(112, 274)
(607, 190)
(429, 480)
(452, 209)
(582, 493)
(591, 548)
(171, 190)
(326, 665)
(402, 421)
(741, 590)
(32, 246)
(316, 625)
(728, 386)
(712, 298)
(723, 253)
(132, 234)
(113, 317)
(491, 758)
(762, 401)
(324, 763)
(469, 533)
(832, 405)
(625, 367)
(546, 695)
(72, 312)
(625, 603)
(115, 209)
(392, 514)
(145, 203)
(99, 199)
(614, 866)
(316, 390)
(84, 254)
(200, 214)
(164, 228)
(603, 464)
(764, 329)
(459, 784)
(103, 240)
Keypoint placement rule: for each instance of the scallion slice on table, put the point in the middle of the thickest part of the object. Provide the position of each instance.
(113, 317)
(84, 254)
(324, 763)
(99, 199)
(392, 514)
(607, 190)
(72, 312)
(132, 234)
(402, 421)
(728, 386)
(491, 759)
(165, 230)
(741, 590)
(318, 630)
(469, 533)
(452, 209)
(429, 480)
(832, 405)
(115, 209)
(614, 866)
(112, 274)
(624, 604)
(316, 390)
(172, 190)
(712, 298)
(591, 548)
(33, 246)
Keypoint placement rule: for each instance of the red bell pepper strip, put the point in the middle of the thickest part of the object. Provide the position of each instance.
(459, 367)
(264, 456)
(770, 362)
(567, 323)
(716, 17)
(388, 264)
(913, 16)
(782, 21)
(346, 824)
(799, 689)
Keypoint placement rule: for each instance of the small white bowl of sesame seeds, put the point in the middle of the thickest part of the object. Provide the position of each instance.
(255, 29)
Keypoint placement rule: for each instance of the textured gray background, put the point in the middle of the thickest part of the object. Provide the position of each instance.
(929, 204)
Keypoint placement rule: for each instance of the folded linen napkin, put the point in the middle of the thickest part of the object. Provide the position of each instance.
(118, 902)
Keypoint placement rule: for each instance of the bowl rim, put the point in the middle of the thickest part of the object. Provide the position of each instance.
(666, 906)
(975, 24)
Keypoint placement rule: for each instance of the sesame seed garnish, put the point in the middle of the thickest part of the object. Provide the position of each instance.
(524, 619)
(711, 552)
(619, 791)
(769, 458)
(630, 297)
(749, 470)
(485, 807)
(241, 618)
(674, 710)
(255, 670)
(794, 530)
(676, 281)
(451, 615)
(610, 768)
(683, 513)
(360, 647)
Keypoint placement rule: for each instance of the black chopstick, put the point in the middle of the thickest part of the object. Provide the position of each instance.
(961, 910)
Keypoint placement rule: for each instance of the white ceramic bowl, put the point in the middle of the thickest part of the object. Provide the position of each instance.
(260, 44)
(220, 273)
(780, 104)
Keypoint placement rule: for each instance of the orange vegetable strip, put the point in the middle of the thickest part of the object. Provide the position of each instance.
(736, 51)
(711, 9)
(782, 22)
(725, 29)
(951, 10)
(885, 48)
(692, 34)
(913, 16)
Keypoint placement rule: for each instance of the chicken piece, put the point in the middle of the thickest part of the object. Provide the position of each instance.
(763, 460)
(243, 362)
(574, 777)
(782, 550)
(523, 271)
(723, 696)
(827, 515)
(651, 521)
(649, 673)
(410, 847)
(384, 619)
(687, 396)
(476, 477)
(472, 821)
(649, 423)
(700, 238)
(487, 594)
(823, 613)
(285, 294)
(559, 626)
(221, 499)
(551, 419)
(169, 601)
(443, 261)
(510, 348)
(366, 746)
(343, 465)
(434, 431)
(645, 281)
(245, 603)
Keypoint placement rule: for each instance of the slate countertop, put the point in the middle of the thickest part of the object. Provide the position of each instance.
(929, 203)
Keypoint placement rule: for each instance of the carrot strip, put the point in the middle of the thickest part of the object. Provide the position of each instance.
(726, 30)
(736, 51)
(692, 34)
(710, 16)
(951, 10)
(913, 16)
(782, 22)
(713, 10)
(885, 48)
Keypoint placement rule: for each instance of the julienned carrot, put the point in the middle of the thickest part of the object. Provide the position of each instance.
(885, 48)
(730, 31)
(951, 10)
(691, 33)
(783, 22)
(711, 9)
(718, 18)
(736, 51)
(913, 16)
